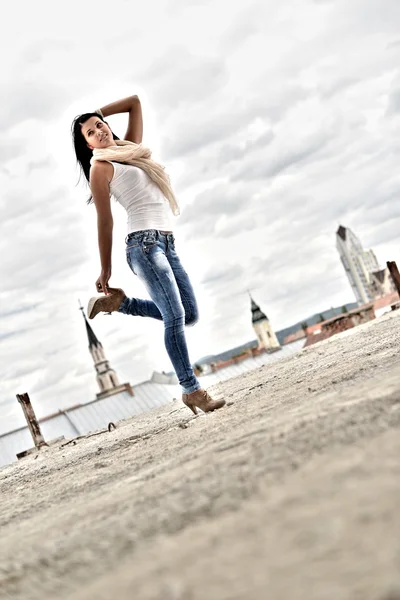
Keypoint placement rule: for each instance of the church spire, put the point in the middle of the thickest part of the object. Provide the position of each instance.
(93, 341)
(266, 337)
(106, 376)
(257, 314)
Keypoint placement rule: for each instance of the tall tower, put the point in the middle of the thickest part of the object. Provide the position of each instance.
(265, 334)
(105, 375)
(358, 263)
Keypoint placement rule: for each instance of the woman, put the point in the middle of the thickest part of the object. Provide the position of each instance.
(124, 169)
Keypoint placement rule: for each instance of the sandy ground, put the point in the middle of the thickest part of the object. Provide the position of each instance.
(290, 492)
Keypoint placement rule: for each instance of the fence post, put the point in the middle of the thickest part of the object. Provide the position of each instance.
(394, 271)
(31, 419)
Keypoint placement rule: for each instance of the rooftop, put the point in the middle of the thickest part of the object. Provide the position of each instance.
(280, 490)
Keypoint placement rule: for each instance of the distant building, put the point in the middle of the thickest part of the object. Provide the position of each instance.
(361, 266)
(381, 283)
(265, 334)
(297, 335)
(164, 378)
(105, 375)
(340, 323)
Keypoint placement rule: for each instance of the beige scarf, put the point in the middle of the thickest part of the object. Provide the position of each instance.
(139, 156)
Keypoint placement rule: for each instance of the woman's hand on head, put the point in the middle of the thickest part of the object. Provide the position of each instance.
(102, 282)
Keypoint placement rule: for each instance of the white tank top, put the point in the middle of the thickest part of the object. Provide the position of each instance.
(144, 202)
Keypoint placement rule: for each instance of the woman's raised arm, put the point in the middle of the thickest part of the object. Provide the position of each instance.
(131, 105)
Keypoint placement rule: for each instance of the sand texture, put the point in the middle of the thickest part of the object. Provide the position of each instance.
(292, 491)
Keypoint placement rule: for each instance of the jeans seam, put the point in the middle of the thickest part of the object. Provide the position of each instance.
(188, 304)
(184, 296)
(169, 302)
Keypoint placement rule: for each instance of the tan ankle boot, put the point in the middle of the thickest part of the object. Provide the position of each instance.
(201, 399)
(107, 304)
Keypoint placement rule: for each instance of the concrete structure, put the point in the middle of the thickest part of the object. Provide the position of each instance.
(265, 335)
(290, 492)
(105, 375)
(355, 317)
(358, 263)
(386, 303)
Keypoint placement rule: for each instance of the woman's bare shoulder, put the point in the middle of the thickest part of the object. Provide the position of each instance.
(101, 169)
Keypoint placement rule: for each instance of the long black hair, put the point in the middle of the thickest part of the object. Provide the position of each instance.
(82, 151)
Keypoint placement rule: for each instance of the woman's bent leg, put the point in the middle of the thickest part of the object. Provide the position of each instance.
(147, 308)
(140, 308)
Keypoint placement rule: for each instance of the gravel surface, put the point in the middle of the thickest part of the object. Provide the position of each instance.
(291, 491)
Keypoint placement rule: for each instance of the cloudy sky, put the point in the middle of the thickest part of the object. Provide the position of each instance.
(277, 122)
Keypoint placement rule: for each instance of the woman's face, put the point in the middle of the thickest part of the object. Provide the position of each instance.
(97, 133)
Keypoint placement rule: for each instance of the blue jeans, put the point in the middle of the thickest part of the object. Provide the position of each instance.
(152, 257)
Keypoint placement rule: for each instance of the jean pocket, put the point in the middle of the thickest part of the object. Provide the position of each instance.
(132, 244)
